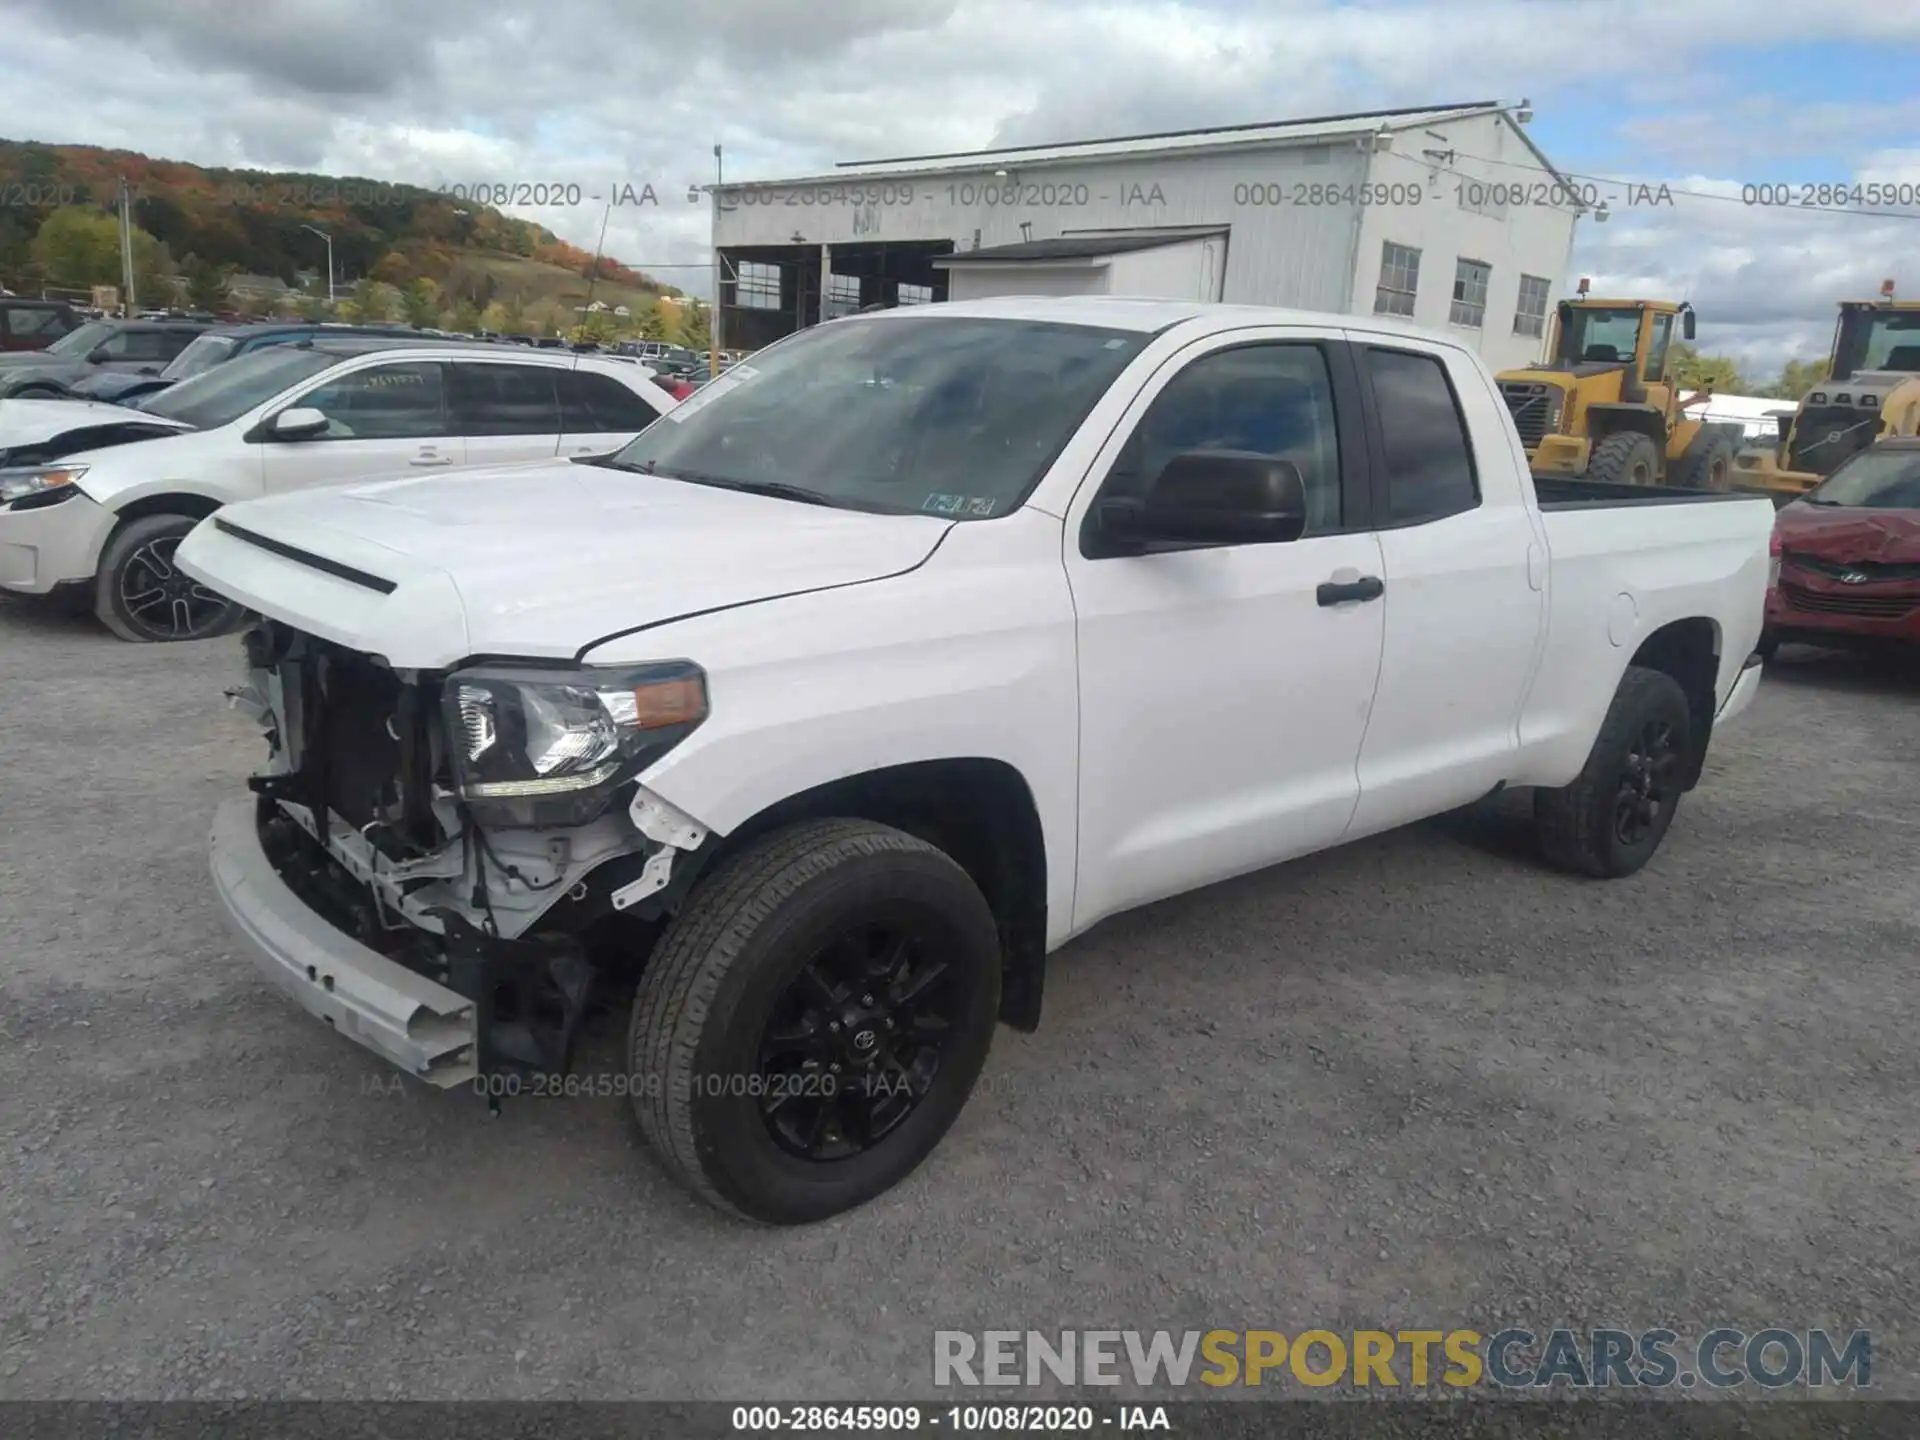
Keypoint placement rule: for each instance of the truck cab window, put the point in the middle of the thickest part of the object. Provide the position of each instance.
(1268, 399)
(1424, 438)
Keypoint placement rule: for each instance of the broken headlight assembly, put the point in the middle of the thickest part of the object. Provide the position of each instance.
(536, 747)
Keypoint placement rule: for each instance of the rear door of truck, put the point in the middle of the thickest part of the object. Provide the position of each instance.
(1464, 572)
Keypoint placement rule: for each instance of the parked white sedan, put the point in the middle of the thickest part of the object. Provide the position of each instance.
(98, 496)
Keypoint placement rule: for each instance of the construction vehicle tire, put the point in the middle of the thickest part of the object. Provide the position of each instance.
(1625, 458)
(1707, 465)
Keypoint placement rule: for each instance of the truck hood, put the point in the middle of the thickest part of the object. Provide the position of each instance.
(1851, 533)
(34, 432)
(541, 560)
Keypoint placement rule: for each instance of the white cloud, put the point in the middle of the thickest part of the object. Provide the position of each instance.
(599, 93)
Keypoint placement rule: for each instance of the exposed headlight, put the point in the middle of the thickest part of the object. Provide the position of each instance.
(533, 747)
(18, 484)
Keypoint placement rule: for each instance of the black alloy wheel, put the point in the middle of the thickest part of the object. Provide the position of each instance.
(143, 595)
(163, 599)
(856, 1040)
(1649, 782)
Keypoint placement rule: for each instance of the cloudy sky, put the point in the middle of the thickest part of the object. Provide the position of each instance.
(1707, 96)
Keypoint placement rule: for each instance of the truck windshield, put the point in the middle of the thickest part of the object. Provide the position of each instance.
(1874, 479)
(956, 417)
(1599, 336)
(225, 393)
(1875, 339)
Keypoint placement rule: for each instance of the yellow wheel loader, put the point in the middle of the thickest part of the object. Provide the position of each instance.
(1872, 391)
(1605, 405)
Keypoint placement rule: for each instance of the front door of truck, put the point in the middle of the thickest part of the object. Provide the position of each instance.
(1224, 692)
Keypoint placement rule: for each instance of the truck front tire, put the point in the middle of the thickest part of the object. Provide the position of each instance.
(1611, 819)
(1625, 458)
(812, 1023)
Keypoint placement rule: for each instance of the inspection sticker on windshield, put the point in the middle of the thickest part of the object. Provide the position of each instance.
(977, 506)
(711, 391)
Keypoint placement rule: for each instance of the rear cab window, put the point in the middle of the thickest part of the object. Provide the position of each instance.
(1426, 449)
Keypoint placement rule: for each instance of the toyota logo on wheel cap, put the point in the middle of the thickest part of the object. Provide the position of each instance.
(864, 1040)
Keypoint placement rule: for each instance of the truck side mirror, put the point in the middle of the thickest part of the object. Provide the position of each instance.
(1686, 324)
(1210, 497)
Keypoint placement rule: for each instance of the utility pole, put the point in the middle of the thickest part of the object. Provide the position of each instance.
(126, 245)
(713, 321)
(329, 239)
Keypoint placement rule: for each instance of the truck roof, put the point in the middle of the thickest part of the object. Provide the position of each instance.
(1120, 312)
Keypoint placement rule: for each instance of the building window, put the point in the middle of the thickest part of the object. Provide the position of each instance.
(757, 286)
(843, 294)
(1530, 316)
(1469, 293)
(1399, 280)
(915, 294)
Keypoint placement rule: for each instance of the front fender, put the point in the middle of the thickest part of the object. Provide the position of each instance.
(969, 657)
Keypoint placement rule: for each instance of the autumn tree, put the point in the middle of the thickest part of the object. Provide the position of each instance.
(513, 315)
(208, 287)
(1797, 377)
(393, 268)
(420, 303)
(80, 246)
(1693, 371)
(693, 331)
(597, 328)
(649, 323)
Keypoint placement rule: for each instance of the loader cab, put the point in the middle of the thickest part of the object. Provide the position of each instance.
(1636, 336)
(1878, 335)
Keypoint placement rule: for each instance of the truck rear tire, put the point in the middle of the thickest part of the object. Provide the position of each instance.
(813, 1021)
(1707, 465)
(1611, 819)
(1625, 458)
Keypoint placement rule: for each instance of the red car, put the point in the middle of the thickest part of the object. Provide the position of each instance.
(1847, 555)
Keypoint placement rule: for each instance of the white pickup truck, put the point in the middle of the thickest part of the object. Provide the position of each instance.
(898, 657)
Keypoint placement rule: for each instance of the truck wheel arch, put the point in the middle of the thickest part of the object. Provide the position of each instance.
(979, 811)
(1689, 651)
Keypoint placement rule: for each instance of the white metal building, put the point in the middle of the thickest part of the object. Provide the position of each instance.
(1447, 214)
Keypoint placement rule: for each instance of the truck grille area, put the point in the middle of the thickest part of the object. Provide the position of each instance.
(1535, 409)
(366, 750)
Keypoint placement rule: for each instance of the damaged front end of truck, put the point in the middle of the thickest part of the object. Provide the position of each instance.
(479, 829)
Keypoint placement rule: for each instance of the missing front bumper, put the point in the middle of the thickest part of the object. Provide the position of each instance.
(423, 1027)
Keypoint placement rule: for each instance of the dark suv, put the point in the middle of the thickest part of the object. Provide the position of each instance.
(34, 324)
(135, 347)
(213, 347)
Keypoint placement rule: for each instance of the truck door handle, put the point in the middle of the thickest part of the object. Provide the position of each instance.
(1368, 587)
(432, 457)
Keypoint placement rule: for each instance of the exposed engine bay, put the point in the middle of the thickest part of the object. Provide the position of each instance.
(361, 813)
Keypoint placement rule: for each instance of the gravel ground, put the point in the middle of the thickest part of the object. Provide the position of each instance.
(1417, 1082)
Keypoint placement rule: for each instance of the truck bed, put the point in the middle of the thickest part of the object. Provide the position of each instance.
(1561, 492)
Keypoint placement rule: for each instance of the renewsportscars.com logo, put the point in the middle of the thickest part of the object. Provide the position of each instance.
(1510, 1359)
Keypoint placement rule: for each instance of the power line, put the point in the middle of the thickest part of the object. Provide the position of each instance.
(1631, 185)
